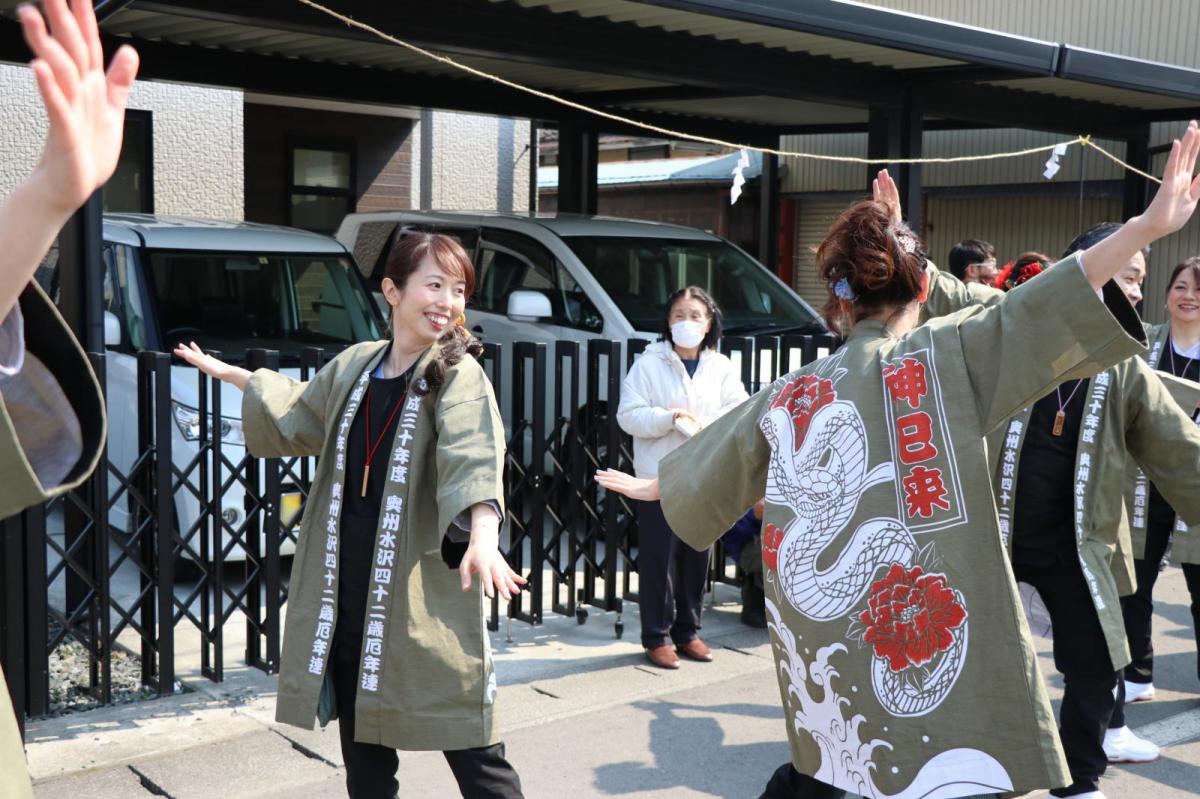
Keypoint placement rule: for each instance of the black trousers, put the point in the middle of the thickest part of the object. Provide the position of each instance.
(671, 578)
(1138, 608)
(787, 783)
(481, 773)
(1081, 656)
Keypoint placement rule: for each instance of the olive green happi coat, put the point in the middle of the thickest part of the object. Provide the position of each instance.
(428, 681)
(1185, 541)
(48, 338)
(905, 664)
(1129, 415)
(947, 294)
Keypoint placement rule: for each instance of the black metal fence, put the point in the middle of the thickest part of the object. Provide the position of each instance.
(185, 560)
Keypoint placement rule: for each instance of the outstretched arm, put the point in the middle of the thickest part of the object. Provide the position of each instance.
(86, 110)
(632, 487)
(213, 367)
(1172, 207)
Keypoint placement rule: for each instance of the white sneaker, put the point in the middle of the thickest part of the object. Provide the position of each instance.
(1138, 692)
(1122, 746)
(1088, 795)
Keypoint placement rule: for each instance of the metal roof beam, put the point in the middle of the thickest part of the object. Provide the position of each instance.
(534, 35)
(266, 74)
(883, 27)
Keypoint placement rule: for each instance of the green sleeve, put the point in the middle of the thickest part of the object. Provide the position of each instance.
(710, 481)
(283, 417)
(1045, 331)
(470, 443)
(1163, 438)
(948, 294)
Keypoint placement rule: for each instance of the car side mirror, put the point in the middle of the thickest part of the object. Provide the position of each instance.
(112, 330)
(529, 306)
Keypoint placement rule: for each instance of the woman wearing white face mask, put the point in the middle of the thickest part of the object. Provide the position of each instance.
(677, 387)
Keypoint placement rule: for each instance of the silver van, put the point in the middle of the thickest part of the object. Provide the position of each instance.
(228, 286)
(571, 277)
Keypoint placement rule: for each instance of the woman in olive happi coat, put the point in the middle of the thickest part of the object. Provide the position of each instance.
(906, 667)
(52, 422)
(381, 633)
(1058, 468)
(1174, 350)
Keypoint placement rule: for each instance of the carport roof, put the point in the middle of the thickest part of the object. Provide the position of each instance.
(736, 68)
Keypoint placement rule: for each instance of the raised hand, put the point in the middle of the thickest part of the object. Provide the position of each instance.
(632, 487)
(86, 107)
(1175, 201)
(883, 190)
(214, 367)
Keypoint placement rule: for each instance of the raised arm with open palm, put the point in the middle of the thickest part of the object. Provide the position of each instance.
(86, 111)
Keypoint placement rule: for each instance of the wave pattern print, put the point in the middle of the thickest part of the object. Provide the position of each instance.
(822, 479)
(815, 707)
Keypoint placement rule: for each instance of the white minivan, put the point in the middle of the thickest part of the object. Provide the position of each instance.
(228, 286)
(574, 278)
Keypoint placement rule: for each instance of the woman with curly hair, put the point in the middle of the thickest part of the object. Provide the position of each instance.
(904, 660)
(381, 632)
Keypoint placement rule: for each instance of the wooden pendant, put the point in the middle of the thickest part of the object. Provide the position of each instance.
(1060, 419)
(367, 475)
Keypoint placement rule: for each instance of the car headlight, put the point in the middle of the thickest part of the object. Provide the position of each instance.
(187, 419)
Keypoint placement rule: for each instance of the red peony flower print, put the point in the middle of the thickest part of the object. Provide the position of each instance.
(910, 616)
(802, 398)
(772, 537)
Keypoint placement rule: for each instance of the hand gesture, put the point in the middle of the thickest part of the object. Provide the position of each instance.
(214, 367)
(682, 413)
(483, 557)
(86, 107)
(632, 487)
(883, 190)
(1175, 200)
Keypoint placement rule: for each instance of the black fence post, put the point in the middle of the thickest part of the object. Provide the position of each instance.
(156, 368)
(102, 614)
(491, 362)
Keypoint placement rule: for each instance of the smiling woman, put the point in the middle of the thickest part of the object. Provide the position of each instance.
(380, 633)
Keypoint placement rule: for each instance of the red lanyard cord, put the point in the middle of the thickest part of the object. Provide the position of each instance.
(372, 448)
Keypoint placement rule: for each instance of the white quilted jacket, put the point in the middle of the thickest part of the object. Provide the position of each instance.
(658, 382)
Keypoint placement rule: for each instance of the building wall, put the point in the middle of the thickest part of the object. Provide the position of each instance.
(477, 163)
(1157, 30)
(382, 147)
(197, 156)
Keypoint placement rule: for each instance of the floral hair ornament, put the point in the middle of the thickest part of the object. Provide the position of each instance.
(909, 242)
(842, 290)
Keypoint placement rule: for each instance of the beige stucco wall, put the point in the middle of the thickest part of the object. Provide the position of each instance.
(479, 163)
(197, 142)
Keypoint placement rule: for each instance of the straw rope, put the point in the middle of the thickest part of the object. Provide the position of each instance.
(1083, 141)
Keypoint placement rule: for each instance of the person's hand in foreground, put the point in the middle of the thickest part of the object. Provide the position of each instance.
(483, 557)
(86, 110)
(632, 487)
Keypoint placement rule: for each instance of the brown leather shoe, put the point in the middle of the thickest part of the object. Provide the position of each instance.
(695, 649)
(663, 656)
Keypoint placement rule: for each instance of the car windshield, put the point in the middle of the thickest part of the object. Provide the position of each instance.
(232, 302)
(641, 273)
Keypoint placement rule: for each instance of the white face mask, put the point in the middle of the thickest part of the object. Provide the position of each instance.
(687, 334)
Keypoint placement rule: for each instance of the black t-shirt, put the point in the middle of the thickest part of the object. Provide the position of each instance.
(360, 515)
(690, 364)
(1171, 362)
(1043, 519)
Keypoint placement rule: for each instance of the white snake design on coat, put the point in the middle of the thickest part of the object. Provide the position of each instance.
(822, 482)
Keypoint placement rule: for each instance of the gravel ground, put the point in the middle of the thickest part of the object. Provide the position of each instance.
(70, 677)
